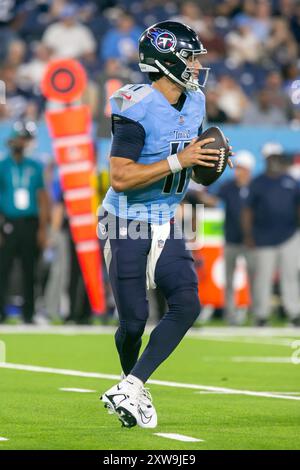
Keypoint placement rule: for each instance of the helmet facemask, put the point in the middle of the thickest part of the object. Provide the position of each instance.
(182, 72)
(194, 76)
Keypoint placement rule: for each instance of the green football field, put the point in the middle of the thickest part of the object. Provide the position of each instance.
(227, 389)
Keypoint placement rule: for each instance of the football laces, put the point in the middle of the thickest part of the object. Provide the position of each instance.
(221, 160)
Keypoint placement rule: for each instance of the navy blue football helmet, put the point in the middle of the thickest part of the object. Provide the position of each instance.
(172, 49)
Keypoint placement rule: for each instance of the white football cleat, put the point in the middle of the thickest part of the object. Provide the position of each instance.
(132, 403)
(138, 409)
(113, 397)
(108, 403)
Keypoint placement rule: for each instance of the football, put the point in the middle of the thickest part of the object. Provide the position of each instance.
(205, 174)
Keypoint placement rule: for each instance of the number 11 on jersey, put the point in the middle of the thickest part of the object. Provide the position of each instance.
(169, 180)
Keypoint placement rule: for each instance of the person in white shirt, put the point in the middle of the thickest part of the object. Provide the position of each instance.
(67, 37)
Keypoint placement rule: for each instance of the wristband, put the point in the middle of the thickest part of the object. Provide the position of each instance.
(174, 163)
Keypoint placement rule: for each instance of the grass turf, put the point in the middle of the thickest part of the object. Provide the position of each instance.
(35, 414)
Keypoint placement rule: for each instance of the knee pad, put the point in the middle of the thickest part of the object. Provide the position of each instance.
(186, 303)
(130, 331)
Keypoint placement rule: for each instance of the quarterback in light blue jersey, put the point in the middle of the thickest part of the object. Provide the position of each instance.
(155, 128)
(162, 130)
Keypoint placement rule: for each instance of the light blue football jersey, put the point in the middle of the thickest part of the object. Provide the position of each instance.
(167, 131)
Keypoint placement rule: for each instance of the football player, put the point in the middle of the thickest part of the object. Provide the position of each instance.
(155, 128)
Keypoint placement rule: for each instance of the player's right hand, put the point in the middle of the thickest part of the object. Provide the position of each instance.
(195, 154)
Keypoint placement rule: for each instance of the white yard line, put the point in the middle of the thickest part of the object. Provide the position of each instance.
(78, 390)
(51, 370)
(264, 360)
(213, 393)
(3, 439)
(178, 437)
(163, 383)
(245, 392)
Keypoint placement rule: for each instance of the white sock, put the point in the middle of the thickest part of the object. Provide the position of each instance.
(134, 380)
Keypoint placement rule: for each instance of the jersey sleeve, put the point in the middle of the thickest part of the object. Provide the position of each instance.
(128, 138)
(128, 105)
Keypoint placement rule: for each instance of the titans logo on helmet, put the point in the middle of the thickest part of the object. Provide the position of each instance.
(162, 40)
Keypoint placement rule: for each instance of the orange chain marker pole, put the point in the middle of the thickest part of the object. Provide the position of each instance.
(70, 128)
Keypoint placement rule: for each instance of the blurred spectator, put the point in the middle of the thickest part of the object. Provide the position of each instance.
(264, 111)
(16, 53)
(19, 103)
(257, 14)
(121, 42)
(228, 8)
(10, 18)
(213, 41)
(295, 24)
(234, 193)
(280, 45)
(285, 8)
(191, 14)
(242, 44)
(67, 37)
(280, 98)
(37, 15)
(291, 74)
(214, 114)
(24, 208)
(261, 22)
(232, 99)
(270, 222)
(29, 75)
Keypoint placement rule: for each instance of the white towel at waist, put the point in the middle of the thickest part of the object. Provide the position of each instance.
(159, 234)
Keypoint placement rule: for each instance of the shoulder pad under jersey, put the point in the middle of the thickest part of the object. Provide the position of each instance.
(130, 100)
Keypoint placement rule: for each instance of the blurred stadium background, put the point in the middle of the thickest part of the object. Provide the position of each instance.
(253, 93)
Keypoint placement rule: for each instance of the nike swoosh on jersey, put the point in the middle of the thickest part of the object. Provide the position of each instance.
(128, 97)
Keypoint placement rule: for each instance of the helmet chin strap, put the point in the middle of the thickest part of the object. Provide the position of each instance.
(188, 84)
(169, 74)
